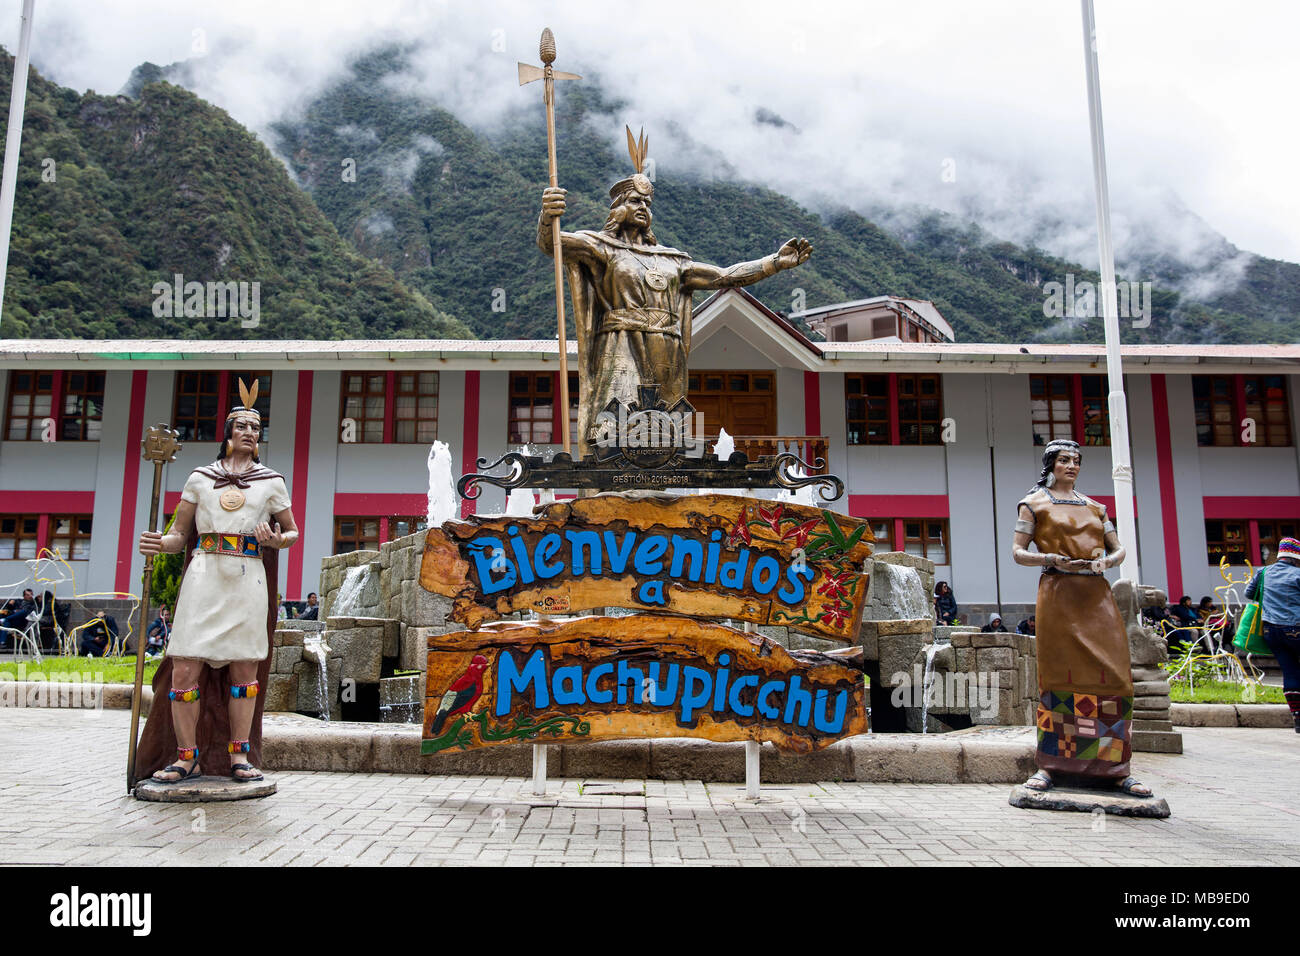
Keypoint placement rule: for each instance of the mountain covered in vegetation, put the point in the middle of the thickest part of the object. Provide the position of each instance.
(395, 218)
(452, 210)
(116, 195)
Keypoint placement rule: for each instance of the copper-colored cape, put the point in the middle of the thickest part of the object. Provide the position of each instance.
(157, 747)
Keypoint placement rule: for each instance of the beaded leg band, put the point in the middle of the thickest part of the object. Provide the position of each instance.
(185, 695)
(244, 690)
(187, 753)
(238, 747)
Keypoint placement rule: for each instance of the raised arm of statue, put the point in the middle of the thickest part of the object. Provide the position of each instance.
(702, 275)
(577, 246)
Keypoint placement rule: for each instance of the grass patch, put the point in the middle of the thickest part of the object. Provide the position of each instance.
(1223, 692)
(108, 670)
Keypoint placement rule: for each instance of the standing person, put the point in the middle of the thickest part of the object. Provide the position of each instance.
(312, 611)
(1028, 626)
(945, 604)
(236, 515)
(994, 626)
(1085, 683)
(1281, 612)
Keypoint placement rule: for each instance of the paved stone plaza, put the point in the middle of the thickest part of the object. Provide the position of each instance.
(1233, 795)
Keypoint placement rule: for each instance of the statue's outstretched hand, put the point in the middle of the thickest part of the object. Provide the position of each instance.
(794, 253)
(553, 202)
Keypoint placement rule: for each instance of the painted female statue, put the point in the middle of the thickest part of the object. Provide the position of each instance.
(1085, 685)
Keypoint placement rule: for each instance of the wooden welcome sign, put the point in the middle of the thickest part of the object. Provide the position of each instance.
(713, 556)
(597, 678)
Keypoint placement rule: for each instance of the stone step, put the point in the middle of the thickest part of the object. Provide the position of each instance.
(1157, 742)
(1143, 724)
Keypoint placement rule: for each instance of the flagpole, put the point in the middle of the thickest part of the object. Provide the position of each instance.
(14, 139)
(1121, 460)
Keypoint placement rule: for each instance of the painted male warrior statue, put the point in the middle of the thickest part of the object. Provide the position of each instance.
(632, 296)
(232, 519)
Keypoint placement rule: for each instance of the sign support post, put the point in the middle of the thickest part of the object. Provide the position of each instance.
(752, 753)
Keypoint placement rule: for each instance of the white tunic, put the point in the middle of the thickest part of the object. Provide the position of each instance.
(222, 608)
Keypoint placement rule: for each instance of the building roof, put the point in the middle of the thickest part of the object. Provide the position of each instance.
(729, 309)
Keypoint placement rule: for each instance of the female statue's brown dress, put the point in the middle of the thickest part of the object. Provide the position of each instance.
(1085, 710)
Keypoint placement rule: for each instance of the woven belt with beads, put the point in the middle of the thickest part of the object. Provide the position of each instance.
(238, 545)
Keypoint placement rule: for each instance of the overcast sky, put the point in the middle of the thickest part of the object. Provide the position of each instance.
(885, 97)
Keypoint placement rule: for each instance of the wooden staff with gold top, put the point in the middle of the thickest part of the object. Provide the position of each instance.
(159, 446)
(527, 74)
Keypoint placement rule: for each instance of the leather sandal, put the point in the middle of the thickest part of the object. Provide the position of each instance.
(1040, 781)
(194, 771)
(234, 772)
(1134, 788)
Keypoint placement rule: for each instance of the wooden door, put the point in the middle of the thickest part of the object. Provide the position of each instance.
(742, 402)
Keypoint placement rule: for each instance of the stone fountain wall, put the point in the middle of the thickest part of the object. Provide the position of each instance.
(385, 629)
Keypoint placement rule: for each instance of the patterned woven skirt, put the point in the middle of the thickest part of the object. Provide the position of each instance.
(1085, 684)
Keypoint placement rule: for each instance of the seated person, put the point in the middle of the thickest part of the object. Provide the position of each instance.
(18, 617)
(95, 640)
(1028, 626)
(312, 611)
(1188, 621)
(159, 631)
(994, 626)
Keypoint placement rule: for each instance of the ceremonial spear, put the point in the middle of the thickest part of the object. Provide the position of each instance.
(160, 446)
(527, 74)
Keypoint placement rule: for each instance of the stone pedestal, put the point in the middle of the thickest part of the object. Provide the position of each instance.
(204, 790)
(1089, 801)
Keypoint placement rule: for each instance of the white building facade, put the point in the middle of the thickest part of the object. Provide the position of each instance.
(936, 441)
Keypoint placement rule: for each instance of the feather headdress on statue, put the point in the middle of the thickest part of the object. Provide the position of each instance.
(638, 184)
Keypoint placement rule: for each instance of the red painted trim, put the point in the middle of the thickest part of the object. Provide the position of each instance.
(557, 436)
(1241, 507)
(1168, 494)
(907, 506)
(1076, 408)
(298, 493)
(812, 404)
(900, 537)
(895, 430)
(383, 529)
(130, 481)
(390, 406)
(469, 442)
(43, 533)
(378, 504)
(47, 502)
(224, 404)
(56, 406)
(1253, 534)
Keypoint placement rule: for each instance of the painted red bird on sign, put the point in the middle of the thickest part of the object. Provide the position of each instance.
(462, 694)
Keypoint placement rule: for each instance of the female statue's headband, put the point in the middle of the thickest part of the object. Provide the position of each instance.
(638, 181)
(249, 397)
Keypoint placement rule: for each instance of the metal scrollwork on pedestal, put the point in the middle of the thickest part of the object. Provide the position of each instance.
(617, 473)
